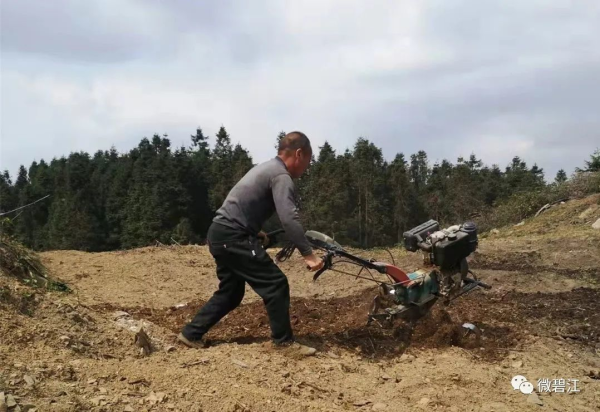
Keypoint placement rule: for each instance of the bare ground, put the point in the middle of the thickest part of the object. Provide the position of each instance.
(542, 320)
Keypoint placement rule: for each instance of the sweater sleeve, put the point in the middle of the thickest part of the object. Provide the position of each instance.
(285, 204)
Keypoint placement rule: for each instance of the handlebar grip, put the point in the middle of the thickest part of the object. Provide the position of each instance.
(319, 273)
(478, 283)
(484, 285)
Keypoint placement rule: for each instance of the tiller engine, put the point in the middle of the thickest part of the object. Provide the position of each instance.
(445, 273)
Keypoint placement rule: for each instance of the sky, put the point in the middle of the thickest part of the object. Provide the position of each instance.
(451, 77)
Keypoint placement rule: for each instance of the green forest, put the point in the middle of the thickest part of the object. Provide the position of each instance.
(157, 193)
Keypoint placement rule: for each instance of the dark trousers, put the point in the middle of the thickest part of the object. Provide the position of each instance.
(240, 258)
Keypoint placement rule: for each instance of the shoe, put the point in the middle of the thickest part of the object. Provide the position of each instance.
(196, 344)
(295, 349)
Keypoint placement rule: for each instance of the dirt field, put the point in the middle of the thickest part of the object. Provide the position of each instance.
(76, 352)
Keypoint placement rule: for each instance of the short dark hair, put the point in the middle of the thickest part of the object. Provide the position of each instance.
(294, 141)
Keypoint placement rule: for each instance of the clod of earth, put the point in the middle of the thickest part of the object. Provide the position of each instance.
(239, 363)
(142, 340)
(28, 380)
(120, 314)
(157, 397)
(424, 401)
(10, 401)
(99, 400)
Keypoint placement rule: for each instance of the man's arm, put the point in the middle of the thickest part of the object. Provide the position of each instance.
(285, 204)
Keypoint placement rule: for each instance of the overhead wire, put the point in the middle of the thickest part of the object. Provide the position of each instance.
(24, 206)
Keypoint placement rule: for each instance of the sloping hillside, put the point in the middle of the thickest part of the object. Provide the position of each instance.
(73, 352)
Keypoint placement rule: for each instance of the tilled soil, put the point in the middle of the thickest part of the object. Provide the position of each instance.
(341, 322)
(531, 262)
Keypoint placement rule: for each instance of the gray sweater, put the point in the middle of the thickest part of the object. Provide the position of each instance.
(267, 188)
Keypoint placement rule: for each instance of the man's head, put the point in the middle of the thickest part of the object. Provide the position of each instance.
(296, 152)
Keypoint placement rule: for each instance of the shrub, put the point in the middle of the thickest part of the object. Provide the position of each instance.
(526, 204)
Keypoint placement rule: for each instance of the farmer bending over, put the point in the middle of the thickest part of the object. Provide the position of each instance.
(235, 240)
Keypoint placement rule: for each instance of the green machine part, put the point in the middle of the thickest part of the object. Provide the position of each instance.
(422, 290)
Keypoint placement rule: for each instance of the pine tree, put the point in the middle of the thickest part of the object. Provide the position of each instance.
(180, 187)
(199, 141)
(22, 179)
(280, 136)
(7, 196)
(404, 198)
(373, 198)
(561, 177)
(474, 164)
(152, 207)
(492, 184)
(241, 163)
(8, 202)
(41, 185)
(317, 202)
(86, 228)
(519, 178)
(183, 233)
(593, 165)
(465, 191)
(118, 179)
(536, 177)
(434, 195)
(58, 215)
(325, 194)
(419, 171)
(222, 173)
(22, 220)
(198, 185)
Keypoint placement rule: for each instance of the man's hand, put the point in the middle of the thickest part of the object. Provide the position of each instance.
(265, 239)
(314, 263)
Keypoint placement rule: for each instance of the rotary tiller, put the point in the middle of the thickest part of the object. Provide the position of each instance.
(445, 274)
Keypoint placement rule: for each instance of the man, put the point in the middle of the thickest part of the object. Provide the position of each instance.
(236, 241)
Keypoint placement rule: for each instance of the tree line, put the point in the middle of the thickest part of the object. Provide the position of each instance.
(154, 192)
